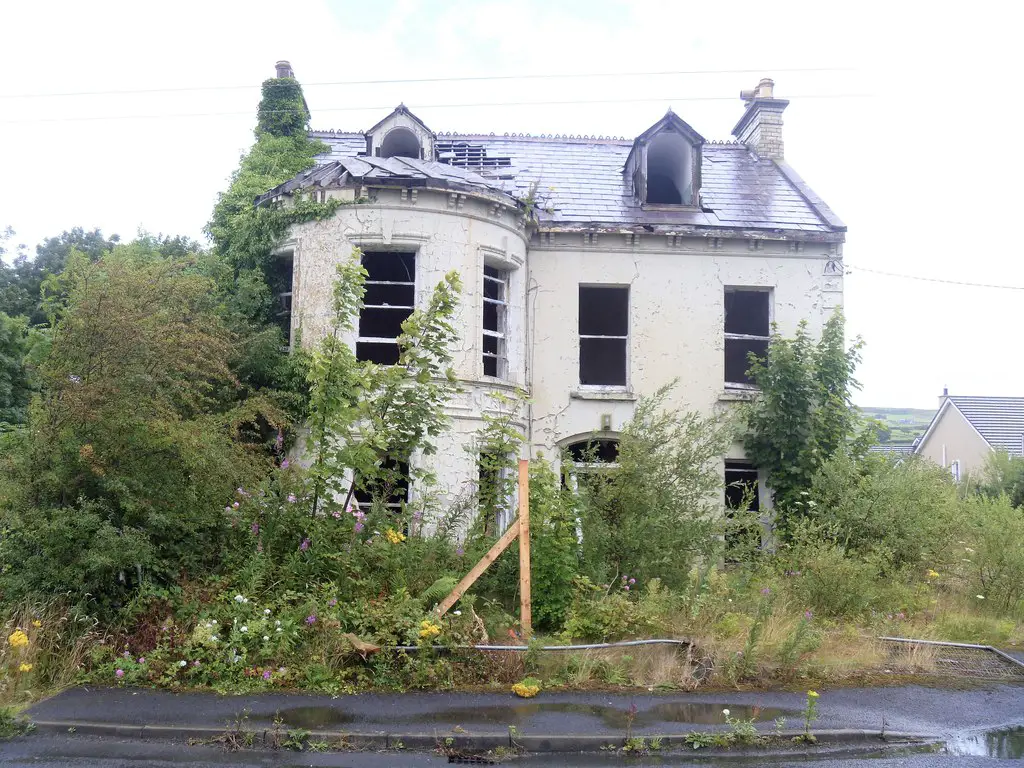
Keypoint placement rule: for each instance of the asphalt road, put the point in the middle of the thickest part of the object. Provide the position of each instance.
(42, 751)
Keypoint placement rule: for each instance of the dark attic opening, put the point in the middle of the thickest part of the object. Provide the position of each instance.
(669, 170)
(400, 142)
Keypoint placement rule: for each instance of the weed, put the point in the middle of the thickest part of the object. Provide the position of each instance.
(810, 714)
(12, 725)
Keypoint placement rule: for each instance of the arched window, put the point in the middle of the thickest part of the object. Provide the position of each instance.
(400, 142)
(594, 452)
(669, 170)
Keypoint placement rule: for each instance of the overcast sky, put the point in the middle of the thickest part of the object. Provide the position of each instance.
(906, 129)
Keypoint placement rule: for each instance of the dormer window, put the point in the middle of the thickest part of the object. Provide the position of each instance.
(400, 134)
(400, 142)
(664, 164)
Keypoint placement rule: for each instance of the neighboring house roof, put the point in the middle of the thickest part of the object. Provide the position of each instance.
(999, 420)
(898, 449)
(579, 181)
(406, 171)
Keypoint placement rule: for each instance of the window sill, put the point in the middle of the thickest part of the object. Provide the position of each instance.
(739, 395)
(621, 394)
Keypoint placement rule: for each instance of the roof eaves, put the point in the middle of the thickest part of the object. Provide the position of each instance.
(824, 212)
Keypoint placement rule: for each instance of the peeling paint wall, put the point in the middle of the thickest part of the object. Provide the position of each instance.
(676, 312)
(676, 319)
(447, 232)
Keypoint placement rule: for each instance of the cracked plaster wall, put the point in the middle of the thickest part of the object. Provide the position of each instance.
(446, 232)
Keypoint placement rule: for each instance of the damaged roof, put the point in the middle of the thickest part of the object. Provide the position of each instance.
(580, 183)
(407, 171)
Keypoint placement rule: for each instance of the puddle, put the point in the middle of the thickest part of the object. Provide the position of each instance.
(312, 718)
(1005, 743)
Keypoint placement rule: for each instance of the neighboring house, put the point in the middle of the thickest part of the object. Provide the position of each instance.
(596, 269)
(966, 430)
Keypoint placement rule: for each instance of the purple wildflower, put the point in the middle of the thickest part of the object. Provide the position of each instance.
(255, 528)
(305, 544)
(311, 619)
(417, 515)
(632, 581)
(626, 587)
(292, 498)
(227, 509)
(284, 464)
(195, 663)
(359, 527)
(766, 591)
(332, 602)
(281, 670)
(266, 674)
(460, 551)
(142, 659)
(279, 442)
(127, 655)
(808, 615)
(336, 515)
(119, 674)
(235, 505)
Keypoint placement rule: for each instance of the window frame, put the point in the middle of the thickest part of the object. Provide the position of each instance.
(727, 336)
(381, 340)
(502, 279)
(624, 386)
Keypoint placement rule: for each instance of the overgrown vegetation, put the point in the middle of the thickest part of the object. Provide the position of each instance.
(157, 526)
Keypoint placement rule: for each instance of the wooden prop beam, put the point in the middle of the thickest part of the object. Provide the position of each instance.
(477, 571)
(525, 601)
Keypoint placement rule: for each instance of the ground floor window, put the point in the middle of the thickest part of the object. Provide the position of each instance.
(742, 495)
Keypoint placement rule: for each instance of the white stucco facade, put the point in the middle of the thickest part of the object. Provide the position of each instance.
(478, 205)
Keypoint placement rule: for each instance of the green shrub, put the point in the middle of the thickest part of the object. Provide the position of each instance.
(553, 546)
(995, 554)
(828, 580)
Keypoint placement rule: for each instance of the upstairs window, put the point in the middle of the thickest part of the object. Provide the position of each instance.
(669, 170)
(495, 322)
(279, 279)
(604, 333)
(400, 142)
(389, 300)
(747, 329)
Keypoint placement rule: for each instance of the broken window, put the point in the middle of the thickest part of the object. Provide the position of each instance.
(669, 170)
(389, 300)
(400, 142)
(495, 322)
(604, 331)
(279, 280)
(389, 486)
(495, 489)
(747, 329)
(742, 494)
(466, 155)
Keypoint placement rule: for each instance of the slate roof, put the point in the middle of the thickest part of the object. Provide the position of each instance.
(1000, 420)
(404, 170)
(894, 449)
(580, 183)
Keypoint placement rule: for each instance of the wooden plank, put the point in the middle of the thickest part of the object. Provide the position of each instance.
(525, 603)
(467, 581)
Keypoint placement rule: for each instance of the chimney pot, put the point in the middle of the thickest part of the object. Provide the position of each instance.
(760, 128)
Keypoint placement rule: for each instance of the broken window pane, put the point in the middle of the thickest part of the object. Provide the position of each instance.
(495, 314)
(742, 493)
(602, 450)
(604, 331)
(279, 279)
(390, 487)
(747, 329)
(389, 300)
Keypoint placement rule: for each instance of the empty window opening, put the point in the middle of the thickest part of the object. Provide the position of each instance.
(604, 333)
(466, 155)
(495, 322)
(747, 329)
(587, 463)
(389, 487)
(495, 491)
(954, 469)
(742, 494)
(389, 300)
(594, 452)
(669, 170)
(400, 142)
(279, 279)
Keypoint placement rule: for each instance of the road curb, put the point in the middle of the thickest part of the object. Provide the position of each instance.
(469, 742)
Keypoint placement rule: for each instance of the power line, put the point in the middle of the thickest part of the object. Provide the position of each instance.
(476, 78)
(670, 100)
(851, 269)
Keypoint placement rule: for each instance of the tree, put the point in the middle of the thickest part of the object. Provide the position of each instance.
(804, 413)
(139, 436)
(18, 344)
(365, 417)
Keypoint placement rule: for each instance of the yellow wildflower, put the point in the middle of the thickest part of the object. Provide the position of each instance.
(37, 623)
(429, 629)
(525, 691)
(18, 639)
(812, 694)
(395, 537)
(932, 574)
(25, 668)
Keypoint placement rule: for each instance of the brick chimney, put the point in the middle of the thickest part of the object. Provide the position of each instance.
(284, 69)
(760, 128)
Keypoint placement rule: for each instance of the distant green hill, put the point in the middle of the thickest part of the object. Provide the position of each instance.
(905, 424)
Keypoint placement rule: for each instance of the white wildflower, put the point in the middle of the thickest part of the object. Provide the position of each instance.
(725, 712)
(244, 628)
(266, 611)
(456, 613)
(265, 638)
(182, 663)
(239, 599)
